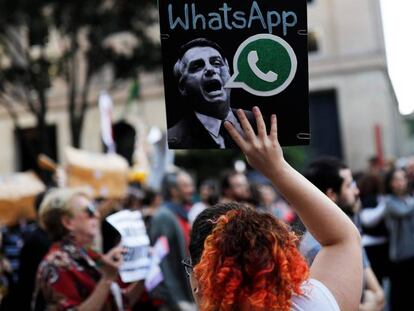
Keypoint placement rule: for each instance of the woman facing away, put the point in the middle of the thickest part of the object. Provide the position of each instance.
(245, 260)
(399, 218)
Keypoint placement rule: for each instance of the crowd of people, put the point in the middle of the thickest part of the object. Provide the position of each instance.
(291, 243)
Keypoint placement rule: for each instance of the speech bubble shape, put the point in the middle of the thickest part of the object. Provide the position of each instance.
(264, 65)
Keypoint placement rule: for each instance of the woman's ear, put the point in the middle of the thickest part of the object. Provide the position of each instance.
(67, 222)
(195, 288)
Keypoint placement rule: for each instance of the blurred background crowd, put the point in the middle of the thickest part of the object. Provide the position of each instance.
(171, 209)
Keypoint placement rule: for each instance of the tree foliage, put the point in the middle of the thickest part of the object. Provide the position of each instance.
(74, 41)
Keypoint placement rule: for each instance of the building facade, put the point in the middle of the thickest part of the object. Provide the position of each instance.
(351, 95)
(148, 109)
(353, 110)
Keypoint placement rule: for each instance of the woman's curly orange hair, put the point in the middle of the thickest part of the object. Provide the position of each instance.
(250, 261)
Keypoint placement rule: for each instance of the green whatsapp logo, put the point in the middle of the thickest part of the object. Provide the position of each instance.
(264, 65)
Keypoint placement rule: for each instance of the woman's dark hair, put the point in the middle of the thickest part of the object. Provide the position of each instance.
(388, 180)
(244, 259)
(203, 226)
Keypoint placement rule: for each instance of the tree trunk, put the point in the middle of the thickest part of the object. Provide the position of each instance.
(71, 78)
(76, 132)
(77, 112)
(44, 142)
(43, 135)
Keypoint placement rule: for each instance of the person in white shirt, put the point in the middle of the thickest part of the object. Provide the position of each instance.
(241, 259)
(202, 71)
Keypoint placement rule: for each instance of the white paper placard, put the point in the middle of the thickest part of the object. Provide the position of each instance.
(159, 251)
(135, 240)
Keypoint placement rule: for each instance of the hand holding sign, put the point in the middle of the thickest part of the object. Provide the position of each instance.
(135, 242)
(135, 261)
(263, 151)
(111, 262)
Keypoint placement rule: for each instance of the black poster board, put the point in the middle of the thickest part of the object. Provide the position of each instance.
(244, 53)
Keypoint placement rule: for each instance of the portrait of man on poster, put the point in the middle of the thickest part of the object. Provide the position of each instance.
(201, 72)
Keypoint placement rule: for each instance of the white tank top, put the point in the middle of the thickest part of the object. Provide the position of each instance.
(315, 297)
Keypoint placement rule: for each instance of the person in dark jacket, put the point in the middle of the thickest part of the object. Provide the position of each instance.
(171, 221)
(36, 244)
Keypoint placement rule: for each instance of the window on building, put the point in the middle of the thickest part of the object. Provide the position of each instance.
(313, 45)
(29, 144)
(325, 125)
(124, 136)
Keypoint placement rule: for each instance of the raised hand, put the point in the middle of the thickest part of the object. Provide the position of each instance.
(111, 261)
(263, 152)
(339, 263)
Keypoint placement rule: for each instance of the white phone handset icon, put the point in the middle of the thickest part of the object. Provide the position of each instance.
(252, 59)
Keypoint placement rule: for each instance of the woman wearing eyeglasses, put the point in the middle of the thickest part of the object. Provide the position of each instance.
(245, 260)
(72, 275)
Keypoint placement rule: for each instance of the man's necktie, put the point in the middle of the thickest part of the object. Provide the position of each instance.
(228, 141)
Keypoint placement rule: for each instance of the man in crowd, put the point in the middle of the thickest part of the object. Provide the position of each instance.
(334, 178)
(202, 71)
(234, 187)
(209, 196)
(171, 221)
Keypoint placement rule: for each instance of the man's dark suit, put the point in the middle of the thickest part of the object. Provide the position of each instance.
(189, 132)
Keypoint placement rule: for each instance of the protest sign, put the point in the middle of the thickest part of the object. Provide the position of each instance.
(140, 261)
(158, 252)
(222, 55)
(135, 240)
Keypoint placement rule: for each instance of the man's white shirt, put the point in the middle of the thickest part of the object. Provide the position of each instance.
(212, 125)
